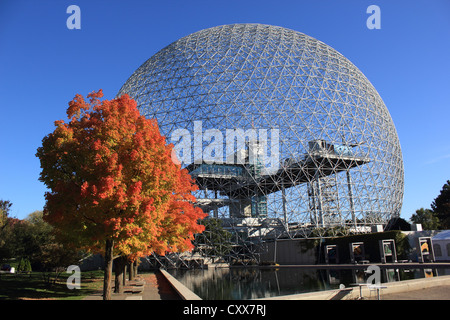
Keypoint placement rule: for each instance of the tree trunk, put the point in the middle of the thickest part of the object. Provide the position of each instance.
(108, 269)
(119, 267)
(131, 271)
(125, 274)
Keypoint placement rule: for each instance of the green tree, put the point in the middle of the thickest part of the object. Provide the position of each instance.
(28, 236)
(5, 206)
(441, 206)
(24, 265)
(215, 241)
(5, 231)
(427, 218)
(33, 240)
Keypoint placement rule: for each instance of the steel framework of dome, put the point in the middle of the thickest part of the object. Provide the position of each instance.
(334, 156)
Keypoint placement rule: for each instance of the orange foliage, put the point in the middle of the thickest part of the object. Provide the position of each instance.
(111, 176)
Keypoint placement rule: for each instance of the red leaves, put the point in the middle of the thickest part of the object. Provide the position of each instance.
(94, 97)
(78, 104)
(111, 176)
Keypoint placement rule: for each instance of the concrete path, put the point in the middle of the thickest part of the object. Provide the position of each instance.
(147, 286)
(434, 293)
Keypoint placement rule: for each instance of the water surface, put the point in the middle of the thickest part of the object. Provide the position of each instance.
(252, 283)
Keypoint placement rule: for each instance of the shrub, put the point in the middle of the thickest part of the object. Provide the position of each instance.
(24, 266)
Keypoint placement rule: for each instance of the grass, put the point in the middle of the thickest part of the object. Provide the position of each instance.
(33, 286)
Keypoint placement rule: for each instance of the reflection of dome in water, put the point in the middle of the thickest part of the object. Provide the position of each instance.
(339, 160)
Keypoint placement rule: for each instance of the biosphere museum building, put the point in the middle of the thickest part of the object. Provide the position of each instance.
(284, 136)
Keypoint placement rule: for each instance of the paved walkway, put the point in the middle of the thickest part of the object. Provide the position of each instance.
(147, 286)
(434, 293)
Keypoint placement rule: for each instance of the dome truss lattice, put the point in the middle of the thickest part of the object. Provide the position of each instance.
(339, 164)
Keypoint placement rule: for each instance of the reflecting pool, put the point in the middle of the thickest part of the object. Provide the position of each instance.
(251, 283)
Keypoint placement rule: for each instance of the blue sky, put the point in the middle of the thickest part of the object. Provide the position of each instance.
(43, 65)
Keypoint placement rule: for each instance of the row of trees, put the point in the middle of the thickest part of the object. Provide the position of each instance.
(114, 187)
(32, 242)
(438, 217)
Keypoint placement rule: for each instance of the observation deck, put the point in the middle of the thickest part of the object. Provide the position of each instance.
(244, 181)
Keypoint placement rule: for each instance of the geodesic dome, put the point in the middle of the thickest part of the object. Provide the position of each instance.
(334, 155)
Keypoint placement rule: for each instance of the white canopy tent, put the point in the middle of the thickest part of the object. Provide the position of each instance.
(441, 246)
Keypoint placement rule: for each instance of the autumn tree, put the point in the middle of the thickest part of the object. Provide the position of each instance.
(113, 185)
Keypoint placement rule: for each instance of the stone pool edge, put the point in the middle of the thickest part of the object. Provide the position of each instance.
(391, 287)
(181, 289)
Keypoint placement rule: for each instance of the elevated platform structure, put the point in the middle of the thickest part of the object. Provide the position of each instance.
(235, 181)
(244, 189)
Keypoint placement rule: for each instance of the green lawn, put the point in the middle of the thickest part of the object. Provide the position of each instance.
(33, 286)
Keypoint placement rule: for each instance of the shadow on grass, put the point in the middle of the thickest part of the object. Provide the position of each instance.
(33, 286)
